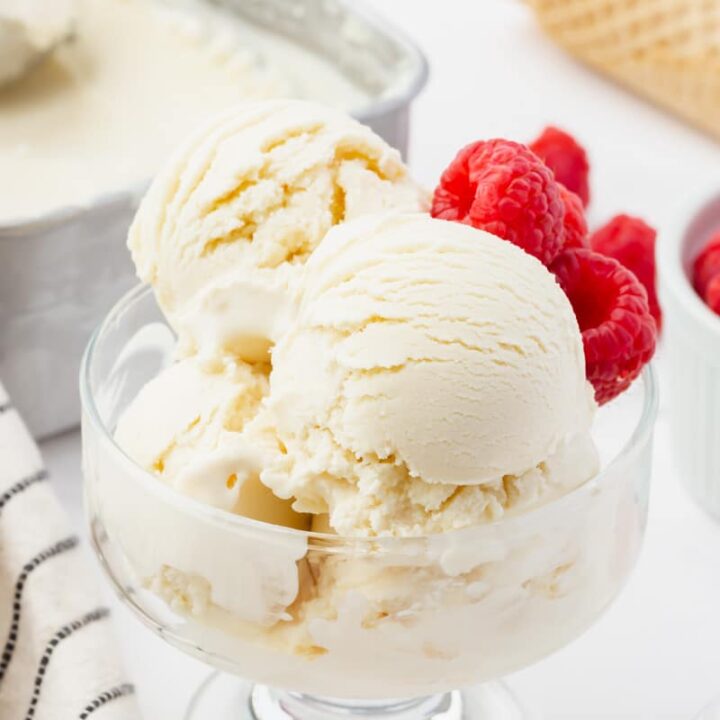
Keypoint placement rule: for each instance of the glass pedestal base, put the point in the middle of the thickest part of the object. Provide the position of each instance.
(225, 697)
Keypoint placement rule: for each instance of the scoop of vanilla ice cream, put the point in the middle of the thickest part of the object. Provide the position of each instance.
(185, 426)
(28, 30)
(227, 224)
(433, 378)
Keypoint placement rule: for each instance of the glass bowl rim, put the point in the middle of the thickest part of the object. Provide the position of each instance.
(639, 436)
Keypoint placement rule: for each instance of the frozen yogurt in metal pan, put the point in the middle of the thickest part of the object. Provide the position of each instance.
(30, 30)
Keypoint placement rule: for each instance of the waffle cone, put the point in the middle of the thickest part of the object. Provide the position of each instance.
(665, 50)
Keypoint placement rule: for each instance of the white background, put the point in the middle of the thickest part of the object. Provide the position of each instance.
(656, 653)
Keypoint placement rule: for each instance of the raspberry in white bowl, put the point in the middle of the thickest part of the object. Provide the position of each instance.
(688, 266)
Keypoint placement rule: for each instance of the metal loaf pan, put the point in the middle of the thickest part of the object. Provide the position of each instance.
(60, 273)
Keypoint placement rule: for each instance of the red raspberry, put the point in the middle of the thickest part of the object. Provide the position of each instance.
(618, 331)
(707, 265)
(575, 225)
(502, 187)
(712, 294)
(566, 158)
(631, 242)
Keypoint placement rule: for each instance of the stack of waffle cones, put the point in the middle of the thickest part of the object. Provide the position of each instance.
(666, 50)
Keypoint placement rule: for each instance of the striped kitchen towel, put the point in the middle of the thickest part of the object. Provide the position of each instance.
(57, 660)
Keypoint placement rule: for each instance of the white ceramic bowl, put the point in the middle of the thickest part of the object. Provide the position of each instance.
(692, 338)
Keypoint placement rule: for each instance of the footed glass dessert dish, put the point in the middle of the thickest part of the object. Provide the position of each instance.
(309, 625)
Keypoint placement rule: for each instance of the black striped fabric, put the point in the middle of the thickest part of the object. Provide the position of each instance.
(106, 697)
(62, 634)
(18, 500)
(57, 549)
(20, 486)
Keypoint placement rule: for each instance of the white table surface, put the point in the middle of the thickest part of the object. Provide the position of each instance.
(656, 653)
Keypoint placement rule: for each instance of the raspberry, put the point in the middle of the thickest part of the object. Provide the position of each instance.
(611, 307)
(707, 265)
(566, 158)
(502, 187)
(631, 242)
(712, 294)
(706, 273)
(575, 225)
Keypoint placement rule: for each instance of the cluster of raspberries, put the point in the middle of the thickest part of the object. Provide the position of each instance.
(535, 197)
